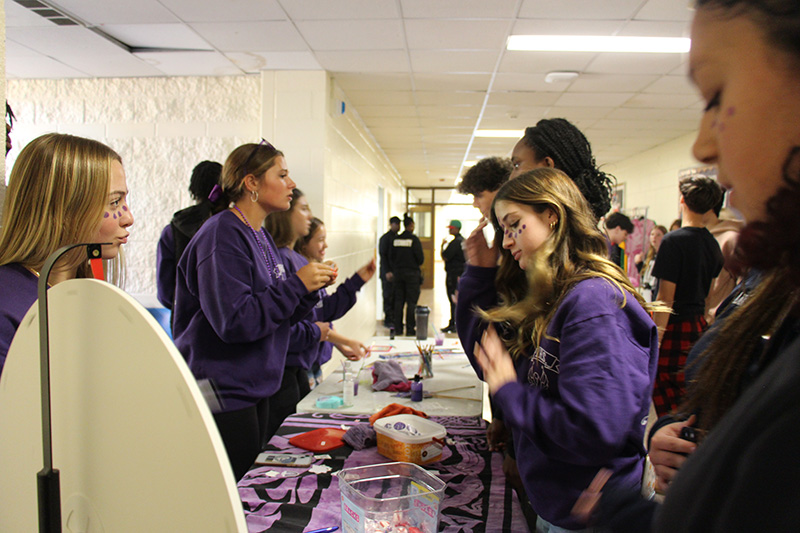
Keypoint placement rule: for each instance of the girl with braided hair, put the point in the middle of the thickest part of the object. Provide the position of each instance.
(557, 143)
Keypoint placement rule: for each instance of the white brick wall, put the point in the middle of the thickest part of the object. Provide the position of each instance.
(162, 127)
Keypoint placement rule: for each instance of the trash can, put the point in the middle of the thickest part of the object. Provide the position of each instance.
(421, 314)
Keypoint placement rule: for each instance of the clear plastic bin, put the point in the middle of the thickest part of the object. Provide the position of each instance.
(390, 497)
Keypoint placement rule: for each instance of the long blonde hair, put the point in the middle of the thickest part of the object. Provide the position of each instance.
(56, 195)
(573, 252)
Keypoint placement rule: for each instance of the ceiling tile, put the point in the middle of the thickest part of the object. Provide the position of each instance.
(39, 66)
(62, 41)
(253, 62)
(523, 98)
(227, 11)
(341, 9)
(373, 82)
(18, 16)
(105, 12)
(451, 82)
(244, 36)
(579, 9)
(594, 99)
(353, 34)
(359, 98)
(605, 83)
(364, 61)
(651, 28)
(672, 85)
(456, 34)
(450, 97)
(666, 10)
(544, 62)
(548, 26)
(156, 36)
(444, 61)
(190, 63)
(614, 63)
(458, 9)
(663, 101)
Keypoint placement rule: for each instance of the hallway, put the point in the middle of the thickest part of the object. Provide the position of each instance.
(436, 300)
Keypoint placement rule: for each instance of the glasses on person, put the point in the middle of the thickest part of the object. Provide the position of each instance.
(263, 142)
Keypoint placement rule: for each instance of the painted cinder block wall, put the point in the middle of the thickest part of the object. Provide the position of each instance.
(162, 127)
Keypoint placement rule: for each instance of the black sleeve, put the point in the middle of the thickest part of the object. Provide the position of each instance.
(418, 254)
(668, 261)
(625, 511)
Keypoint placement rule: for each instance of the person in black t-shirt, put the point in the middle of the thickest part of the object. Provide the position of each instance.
(688, 260)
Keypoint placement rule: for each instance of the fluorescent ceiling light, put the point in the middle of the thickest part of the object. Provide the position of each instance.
(510, 134)
(588, 43)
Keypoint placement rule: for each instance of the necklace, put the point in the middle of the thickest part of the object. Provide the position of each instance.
(272, 264)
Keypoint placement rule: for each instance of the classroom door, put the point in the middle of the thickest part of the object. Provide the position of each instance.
(424, 220)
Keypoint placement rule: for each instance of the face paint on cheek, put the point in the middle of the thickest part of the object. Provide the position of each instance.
(731, 111)
(124, 207)
(105, 215)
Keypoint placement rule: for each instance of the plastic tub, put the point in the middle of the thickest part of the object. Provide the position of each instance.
(391, 497)
(410, 438)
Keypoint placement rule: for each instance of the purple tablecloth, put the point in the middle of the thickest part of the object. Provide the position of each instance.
(477, 498)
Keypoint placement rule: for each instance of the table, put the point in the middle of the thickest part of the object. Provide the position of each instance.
(451, 369)
(477, 498)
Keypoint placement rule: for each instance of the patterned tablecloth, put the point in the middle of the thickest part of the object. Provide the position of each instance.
(477, 498)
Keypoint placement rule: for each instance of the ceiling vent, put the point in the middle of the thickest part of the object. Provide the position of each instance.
(48, 12)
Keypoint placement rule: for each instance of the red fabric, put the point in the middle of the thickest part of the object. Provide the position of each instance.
(670, 385)
(395, 409)
(97, 269)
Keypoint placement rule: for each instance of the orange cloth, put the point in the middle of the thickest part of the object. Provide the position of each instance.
(395, 409)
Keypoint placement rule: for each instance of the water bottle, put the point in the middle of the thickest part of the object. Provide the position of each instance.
(421, 314)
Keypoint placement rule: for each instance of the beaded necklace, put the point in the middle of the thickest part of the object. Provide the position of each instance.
(272, 264)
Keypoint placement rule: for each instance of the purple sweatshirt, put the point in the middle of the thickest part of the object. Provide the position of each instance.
(581, 403)
(304, 346)
(165, 267)
(19, 289)
(232, 319)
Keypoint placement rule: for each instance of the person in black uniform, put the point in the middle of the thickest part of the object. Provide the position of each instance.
(453, 257)
(387, 277)
(406, 258)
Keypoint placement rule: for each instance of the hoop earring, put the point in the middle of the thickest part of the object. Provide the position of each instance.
(254, 196)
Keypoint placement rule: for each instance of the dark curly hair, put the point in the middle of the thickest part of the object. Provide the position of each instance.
(561, 141)
(488, 174)
(205, 175)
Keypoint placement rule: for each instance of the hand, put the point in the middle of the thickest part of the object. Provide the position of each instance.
(497, 435)
(367, 271)
(324, 330)
(638, 258)
(588, 500)
(444, 241)
(498, 368)
(477, 250)
(511, 471)
(352, 349)
(335, 268)
(668, 451)
(316, 276)
(389, 276)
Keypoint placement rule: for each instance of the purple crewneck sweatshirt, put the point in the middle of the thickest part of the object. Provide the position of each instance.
(580, 403)
(304, 346)
(19, 289)
(233, 313)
